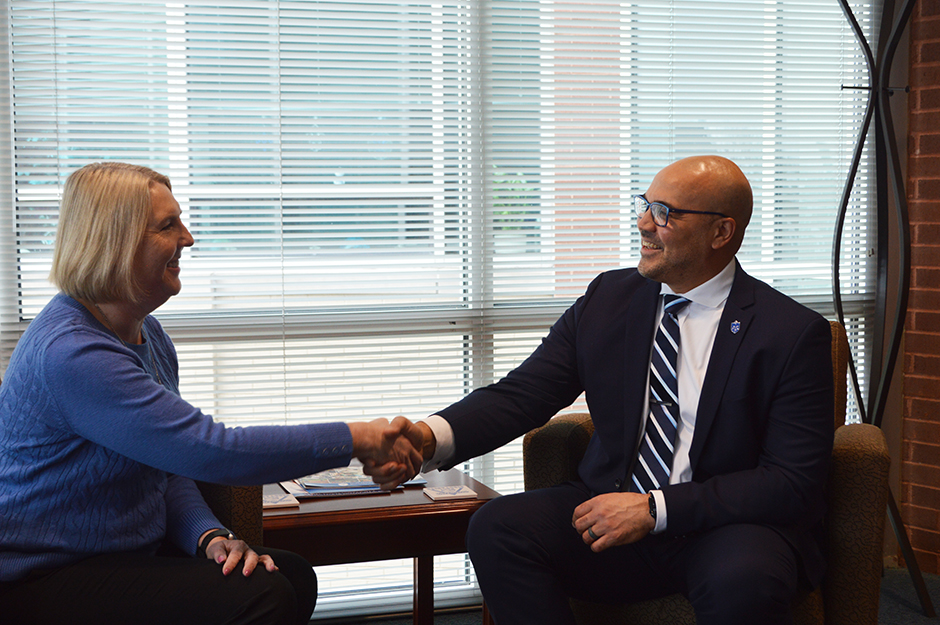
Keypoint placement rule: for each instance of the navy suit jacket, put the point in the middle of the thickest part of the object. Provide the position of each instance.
(764, 426)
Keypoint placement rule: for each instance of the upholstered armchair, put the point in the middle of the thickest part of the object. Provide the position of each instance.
(857, 499)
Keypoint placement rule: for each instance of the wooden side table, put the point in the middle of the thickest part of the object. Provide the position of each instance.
(403, 524)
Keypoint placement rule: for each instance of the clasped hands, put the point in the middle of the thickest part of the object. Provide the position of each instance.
(390, 452)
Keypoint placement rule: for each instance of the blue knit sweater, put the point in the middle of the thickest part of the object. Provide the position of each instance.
(97, 457)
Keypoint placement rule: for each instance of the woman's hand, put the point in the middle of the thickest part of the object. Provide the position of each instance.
(229, 553)
(386, 450)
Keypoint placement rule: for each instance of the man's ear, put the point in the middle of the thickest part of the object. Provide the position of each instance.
(724, 234)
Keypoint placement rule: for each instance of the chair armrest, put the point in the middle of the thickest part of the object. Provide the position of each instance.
(857, 498)
(238, 508)
(551, 453)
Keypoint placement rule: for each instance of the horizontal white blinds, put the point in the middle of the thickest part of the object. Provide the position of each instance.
(343, 155)
(393, 201)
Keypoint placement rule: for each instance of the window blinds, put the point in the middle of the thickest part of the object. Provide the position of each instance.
(393, 201)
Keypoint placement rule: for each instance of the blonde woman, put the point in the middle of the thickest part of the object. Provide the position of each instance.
(98, 451)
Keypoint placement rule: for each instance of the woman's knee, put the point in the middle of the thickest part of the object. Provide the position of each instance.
(301, 582)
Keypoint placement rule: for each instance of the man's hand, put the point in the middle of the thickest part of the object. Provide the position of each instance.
(387, 450)
(229, 553)
(613, 519)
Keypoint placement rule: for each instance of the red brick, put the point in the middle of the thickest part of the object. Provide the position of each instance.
(928, 99)
(925, 277)
(923, 31)
(917, 386)
(927, 8)
(923, 474)
(926, 561)
(928, 144)
(924, 431)
(920, 436)
(926, 121)
(915, 516)
(922, 321)
(927, 189)
(922, 210)
(920, 165)
(922, 365)
(925, 234)
(923, 496)
(920, 298)
(925, 410)
(926, 343)
(929, 52)
(925, 256)
(924, 540)
(924, 75)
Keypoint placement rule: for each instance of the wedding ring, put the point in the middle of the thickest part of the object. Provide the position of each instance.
(592, 534)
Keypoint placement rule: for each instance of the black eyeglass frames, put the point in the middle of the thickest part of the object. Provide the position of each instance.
(660, 212)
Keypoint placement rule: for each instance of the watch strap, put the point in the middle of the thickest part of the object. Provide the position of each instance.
(204, 543)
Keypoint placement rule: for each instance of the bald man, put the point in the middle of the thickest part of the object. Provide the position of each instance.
(720, 497)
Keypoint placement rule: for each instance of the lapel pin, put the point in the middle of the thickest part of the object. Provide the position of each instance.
(735, 327)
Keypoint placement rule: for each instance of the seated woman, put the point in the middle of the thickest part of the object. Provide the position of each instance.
(98, 452)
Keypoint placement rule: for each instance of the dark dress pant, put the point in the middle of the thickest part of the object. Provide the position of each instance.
(529, 560)
(142, 589)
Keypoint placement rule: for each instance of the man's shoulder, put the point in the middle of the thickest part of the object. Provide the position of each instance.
(771, 305)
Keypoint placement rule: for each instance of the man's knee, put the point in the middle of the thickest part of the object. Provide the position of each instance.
(487, 526)
(745, 592)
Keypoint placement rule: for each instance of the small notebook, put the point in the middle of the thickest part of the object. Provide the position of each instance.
(450, 492)
(279, 500)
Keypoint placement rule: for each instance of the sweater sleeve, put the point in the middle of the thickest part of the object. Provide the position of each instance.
(102, 393)
(187, 515)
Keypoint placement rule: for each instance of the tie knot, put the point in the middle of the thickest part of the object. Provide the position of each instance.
(672, 304)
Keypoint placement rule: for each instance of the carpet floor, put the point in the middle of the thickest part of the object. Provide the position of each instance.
(899, 606)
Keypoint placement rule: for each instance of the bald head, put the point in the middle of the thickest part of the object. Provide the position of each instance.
(718, 185)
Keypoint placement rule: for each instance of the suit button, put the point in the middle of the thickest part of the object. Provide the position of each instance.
(618, 484)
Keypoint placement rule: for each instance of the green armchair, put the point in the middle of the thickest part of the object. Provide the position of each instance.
(857, 500)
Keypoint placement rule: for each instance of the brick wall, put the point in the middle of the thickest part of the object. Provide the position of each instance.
(919, 498)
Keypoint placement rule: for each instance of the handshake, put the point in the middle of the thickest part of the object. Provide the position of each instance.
(391, 453)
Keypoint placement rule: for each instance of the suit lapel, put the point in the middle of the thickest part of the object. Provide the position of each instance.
(732, 330)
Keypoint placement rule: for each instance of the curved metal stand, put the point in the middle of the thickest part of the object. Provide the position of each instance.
(888, 167)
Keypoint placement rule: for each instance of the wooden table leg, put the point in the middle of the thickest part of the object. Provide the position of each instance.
(424, 591)
(487, 618)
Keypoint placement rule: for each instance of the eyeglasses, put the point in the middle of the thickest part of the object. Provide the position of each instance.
(660, 212)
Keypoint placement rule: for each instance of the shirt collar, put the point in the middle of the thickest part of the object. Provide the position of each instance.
(712, 293)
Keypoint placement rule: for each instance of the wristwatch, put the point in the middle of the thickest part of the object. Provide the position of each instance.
(652, 501)
(204, 543)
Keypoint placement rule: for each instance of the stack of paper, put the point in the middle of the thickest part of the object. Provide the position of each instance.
(450, 492)
(339, 482)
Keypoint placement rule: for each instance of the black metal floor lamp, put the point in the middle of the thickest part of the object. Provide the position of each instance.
(887, 169)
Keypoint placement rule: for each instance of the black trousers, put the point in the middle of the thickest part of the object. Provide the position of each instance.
(126, 588)
(529, 560)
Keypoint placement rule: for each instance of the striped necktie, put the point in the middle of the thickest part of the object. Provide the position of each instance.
(655, 458)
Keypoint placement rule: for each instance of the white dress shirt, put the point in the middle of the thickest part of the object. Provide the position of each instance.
(698, 326)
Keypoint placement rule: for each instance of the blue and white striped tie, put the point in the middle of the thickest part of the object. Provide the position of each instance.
(655, 458)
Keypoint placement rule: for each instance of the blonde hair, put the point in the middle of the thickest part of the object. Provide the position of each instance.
(104, 212)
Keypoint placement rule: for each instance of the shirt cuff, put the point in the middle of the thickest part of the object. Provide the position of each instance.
(660, 511)
(443, 441)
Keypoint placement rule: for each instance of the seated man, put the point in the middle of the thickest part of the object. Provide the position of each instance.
(706, 471)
